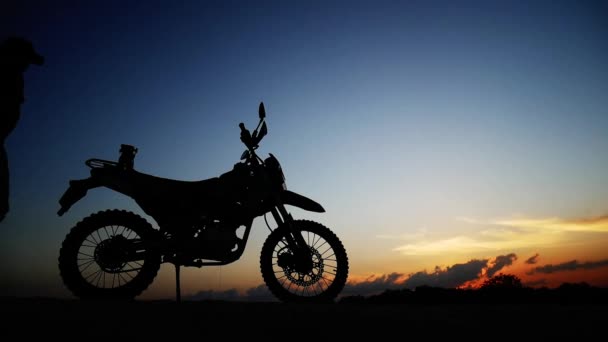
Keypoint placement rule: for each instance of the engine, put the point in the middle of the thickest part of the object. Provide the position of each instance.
(216, 241)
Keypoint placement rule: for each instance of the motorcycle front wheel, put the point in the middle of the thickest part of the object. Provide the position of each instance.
(320, 279)
(96, 258)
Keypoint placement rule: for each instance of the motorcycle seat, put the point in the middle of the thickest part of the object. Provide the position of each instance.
(153, 186)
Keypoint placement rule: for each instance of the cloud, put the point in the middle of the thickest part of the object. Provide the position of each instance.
(506, 234)
(569, 266)
(502, 234)
(419, 234)
(468, 274)
(451, 277)
(258, 293)
(458, 244)
(499, 263)
(593, 224)
(374, 284)
(470, 220)
(532, 260)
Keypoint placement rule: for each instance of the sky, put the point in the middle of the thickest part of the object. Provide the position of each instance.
(448, 141)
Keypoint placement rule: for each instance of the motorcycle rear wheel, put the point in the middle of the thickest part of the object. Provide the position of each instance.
(327, 276)
(90, 257)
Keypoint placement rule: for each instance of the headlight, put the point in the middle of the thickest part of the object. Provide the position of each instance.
(275, 172)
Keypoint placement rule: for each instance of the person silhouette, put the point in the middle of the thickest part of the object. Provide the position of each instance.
(16, 55)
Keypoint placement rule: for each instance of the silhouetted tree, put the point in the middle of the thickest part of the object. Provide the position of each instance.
(502, 281)
(574, 286)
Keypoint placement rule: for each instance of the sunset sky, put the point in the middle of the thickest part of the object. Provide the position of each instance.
(447, 140)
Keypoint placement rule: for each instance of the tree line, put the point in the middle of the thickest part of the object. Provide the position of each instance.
(500, 289)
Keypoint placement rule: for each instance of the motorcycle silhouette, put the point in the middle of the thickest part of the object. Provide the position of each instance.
(116, 254)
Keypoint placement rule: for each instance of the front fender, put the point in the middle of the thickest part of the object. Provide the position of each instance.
(297, 200)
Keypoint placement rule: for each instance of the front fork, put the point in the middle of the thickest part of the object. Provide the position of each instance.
(295, 240)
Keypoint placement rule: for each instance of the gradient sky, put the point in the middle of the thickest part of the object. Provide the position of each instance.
(447, 140)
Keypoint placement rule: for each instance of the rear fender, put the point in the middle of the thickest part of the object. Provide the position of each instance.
(75, 192)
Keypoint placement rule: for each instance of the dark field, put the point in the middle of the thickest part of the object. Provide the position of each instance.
(203, 320)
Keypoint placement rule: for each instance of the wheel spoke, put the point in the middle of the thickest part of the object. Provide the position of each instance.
(89, 262)
(312, 287)
(326, 280)
(95, 243)
(314, 243)
(121, 277)
(132, 269)
(89, 265)
(105, 229)
(99, 278)
(129, 274)
(321, 245)
(98, 235)
(323, 259)
(283, 244)
(130, 232)
(319, 285)
(330, 268)
(93, 275)
(85, 254)
(329, 256)
(94, 239)
(105, 275)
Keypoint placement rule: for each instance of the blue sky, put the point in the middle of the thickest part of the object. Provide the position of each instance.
(405, 119)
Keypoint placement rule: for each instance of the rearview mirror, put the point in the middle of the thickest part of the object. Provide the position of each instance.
(262, 111)
(257, 136)
(263, 131)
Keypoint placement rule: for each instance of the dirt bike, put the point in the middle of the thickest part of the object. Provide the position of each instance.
(116, 254)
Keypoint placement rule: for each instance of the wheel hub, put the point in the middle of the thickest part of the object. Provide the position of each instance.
(304, 270)
(111, 254)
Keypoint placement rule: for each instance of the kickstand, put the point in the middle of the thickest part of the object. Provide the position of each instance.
(178, 294)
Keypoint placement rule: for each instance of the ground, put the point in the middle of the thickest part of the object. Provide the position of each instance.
(58, 318)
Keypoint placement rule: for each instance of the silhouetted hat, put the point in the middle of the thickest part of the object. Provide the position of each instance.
(22, 49)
